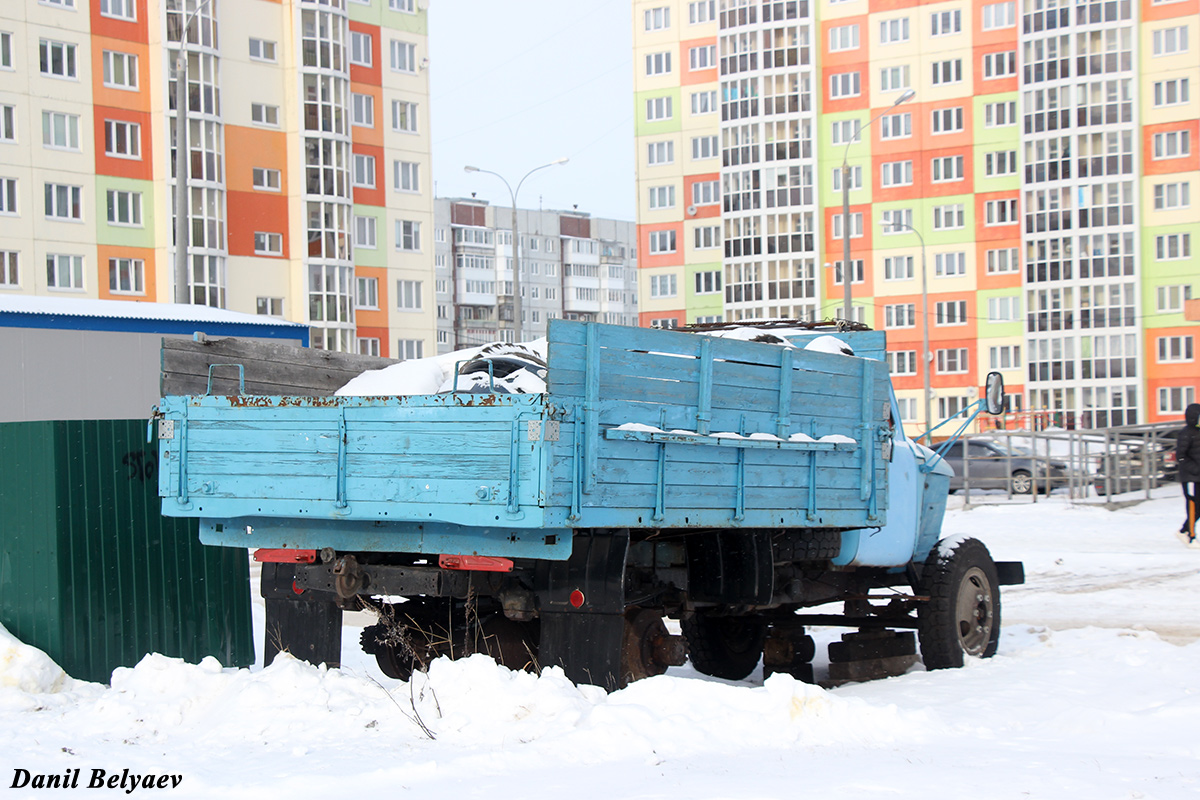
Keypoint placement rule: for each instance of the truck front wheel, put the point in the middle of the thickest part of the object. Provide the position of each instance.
(724, 647)
(962, 615)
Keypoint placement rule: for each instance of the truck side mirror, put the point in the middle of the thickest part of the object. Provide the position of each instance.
(995, 393)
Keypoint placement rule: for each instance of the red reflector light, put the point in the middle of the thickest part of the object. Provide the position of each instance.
(577, 598)
(286, 556)
(477, 563)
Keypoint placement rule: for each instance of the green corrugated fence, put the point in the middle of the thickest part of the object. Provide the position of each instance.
(91, 572)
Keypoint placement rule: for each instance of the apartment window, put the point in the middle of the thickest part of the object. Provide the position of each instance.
(999, 115)
(364, 171)
(127, 276)
(1004, 357)
(1170, 299)
(1172, 195)
(407, 176)
(704, 57)
(1173, 349)
(120, 70)
(1004, 309)
(57, 59)
(952, 360)
(64, 202)
(1002, 260)
(948, 71)
(902, 362)
(409, 349)
(944, 23)
(900, 315)
(364, 232)
(707, 237)
(1000, 162)
(1173, 246)
(1171, 93)
(907, 407)
(367, 293)
(1175, 399)
(855, 178)
(10, 275)
(894, 79)
(8, 196)
(949, 265)
(5, 50)
(845, 131)
(660, 153)
(268, 244)
(953, 312)
(844, 84)
(124, 208)
(947, 168)
(408, 295)
(662, 197)
(999, 15)
(362, 51)
(64, 272)
(856, 274)
(948, 217)
(262, 50)
(122, 139)
(898, 268)
(60, 131)
(662, 242)
(892, 31)
(267, 180)
(263, 114)
(705, 193)
(705, 147)
(404, 56)
(952, 406)
(404, 116)
(1172, 144)
(658, 19)
(708, 282)
(8, 123)
(1169, 41)
(269, 306)
(1001, 212)
(702, 11)
(896, 220)
(663, 286)
(362, 110)
(843, 37)
(1000, 65)
(659, 108)
(658, 63)
(948, 120)
(702, 103)
(403, 6)
(369, 346)
(121, 9)
(895, 126)
(408, 235)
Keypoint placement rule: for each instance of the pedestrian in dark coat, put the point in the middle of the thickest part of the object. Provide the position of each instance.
(1187, 456)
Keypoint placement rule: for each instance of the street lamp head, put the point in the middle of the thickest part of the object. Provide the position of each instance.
(470, 169)
(562, 160)
(904, 98)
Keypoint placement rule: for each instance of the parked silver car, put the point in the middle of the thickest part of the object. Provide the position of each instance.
(993, 465)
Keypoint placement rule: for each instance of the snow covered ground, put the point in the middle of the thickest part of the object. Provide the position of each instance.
(1095, 693)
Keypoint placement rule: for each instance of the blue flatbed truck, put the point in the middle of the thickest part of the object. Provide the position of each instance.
(732, 485)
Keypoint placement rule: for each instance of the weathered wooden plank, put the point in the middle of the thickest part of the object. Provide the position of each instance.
(271, 367)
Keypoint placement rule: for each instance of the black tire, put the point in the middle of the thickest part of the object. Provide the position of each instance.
(962, 616)
(724, 647)
(1022, 482)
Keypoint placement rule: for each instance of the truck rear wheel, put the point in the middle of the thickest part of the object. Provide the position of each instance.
(724, 647)
(962, 616)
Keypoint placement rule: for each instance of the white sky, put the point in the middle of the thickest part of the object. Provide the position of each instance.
(518, 83)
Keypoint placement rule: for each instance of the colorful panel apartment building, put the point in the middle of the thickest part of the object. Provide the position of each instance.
(1038, 177)
(310, 193)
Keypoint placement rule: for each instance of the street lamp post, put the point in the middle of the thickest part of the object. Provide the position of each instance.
(517, 323)
(847, 272)
(181, 158)
(926, 356)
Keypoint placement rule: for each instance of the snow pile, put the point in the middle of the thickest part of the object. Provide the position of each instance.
(435, 374)
(28, 669)
(764, 437)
